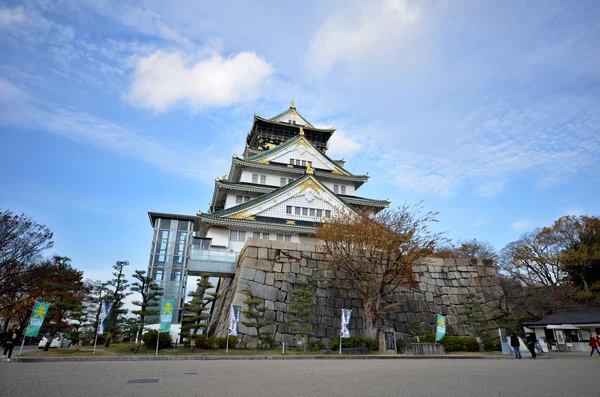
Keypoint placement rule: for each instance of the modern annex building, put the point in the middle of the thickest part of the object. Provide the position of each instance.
(282, 186)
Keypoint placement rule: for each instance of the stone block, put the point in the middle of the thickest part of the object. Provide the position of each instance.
(289, 277)
(302, 277)
(329, 273)
(285, 268)
(249, 263)
(284, 245)
(286, 286)
(440, 283)
(321, 292)
(327, 321)
(259, 276)
(278, 276)
(264, 265)
(273, 255)
(270, 279)
(307, 247)
(280, 306)
(247, 274)
(330, 332)
(319, 330)
(270, 314)
(446, 300)
(318, 256)
(270, 293)
(279, 319)
(429, 297)
(258, 242)
(462, 268)
(277, 284)
(295, 267)
(281, 295)
(263, 253)
(251, 252)
(311, 263)
(270, 305)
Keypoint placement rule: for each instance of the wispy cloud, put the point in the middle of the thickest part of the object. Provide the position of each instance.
(520, 225)
(9, 16)
(164, 79)
(17, 108)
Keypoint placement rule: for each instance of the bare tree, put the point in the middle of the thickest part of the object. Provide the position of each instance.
(470, 249)
(377, 252)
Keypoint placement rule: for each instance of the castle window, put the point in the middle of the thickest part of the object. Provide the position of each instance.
(266, 236)
(263, 179)
(304, 211)
(254, 178)
(298, 211)
(298, 162)
(336, 189)
(319, 213)
(256, 235)
(288, 209)
(343, 189)
(312, 212)
(292, 161)
(304, 163)
(327, 213)
(246, 199)
(239, 199)
(283, 181)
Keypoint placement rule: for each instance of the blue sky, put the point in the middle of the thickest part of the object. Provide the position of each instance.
(487, 111)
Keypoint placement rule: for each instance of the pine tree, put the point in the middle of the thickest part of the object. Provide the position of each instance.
(191, 326)
(99, 293)
(300, 310)
(78, 320)
(475, 317)
(149, 304)
(255, 313)
(118, 294)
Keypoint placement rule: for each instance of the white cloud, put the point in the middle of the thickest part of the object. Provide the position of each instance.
(8, 16)
(165, 79)
(520, 225)
(342, 146)
(360, 31)
(17, 108)
(492, 188)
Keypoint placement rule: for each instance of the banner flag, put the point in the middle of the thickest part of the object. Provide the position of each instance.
(234, 320)
(104, 310)
(346, 314)
(37, 318)
(166, 314)
(441, 328)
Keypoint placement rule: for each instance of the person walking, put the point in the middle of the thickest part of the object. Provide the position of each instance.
(594, 345)
(11, 339)
(531, 345)
(515, 343)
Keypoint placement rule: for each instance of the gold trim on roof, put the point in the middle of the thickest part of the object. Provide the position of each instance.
(301, 131)
(243, 215)
(309, 169)
(310, 183)
(290, 222)
(262, 161)
(292, 104)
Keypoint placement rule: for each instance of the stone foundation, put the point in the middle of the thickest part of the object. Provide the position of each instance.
(270, 269)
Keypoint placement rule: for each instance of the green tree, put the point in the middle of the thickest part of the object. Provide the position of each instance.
(78, 319)
(117, 294)
(99, 293)
(475, 317)
(149, 304)
(194, 326)
(65, 290)
(300, 310)
(255, 313)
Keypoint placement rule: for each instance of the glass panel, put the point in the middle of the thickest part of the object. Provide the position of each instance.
(304, 211)
(182, 225)
(319, 213)
(233, 235)
(263, 179)
(163, 235)
(256, 235)
(327, 213)
(246, 199)
(266, 236)
(304, 163)
(241, 236)
(238, 199)
(298, 162)
(280, 237)
(312, 212)
(158, 274)
(335, 188)
(288, 237)
(297, 210)
(205, 243)
(164, 224)
(283, 181)
(343, 188)
(254, 178)
(176, 275)
(292, 161)
(288, 209)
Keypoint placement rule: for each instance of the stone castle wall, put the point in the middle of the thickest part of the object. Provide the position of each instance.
(270, 269)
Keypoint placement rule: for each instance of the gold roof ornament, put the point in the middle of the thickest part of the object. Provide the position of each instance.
(301, 131)
(292, 104)
(224, 177)
(309, 169)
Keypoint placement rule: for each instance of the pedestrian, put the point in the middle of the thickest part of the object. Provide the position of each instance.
(531, 345)
(594, 345)
(11, 339)
(515, 343)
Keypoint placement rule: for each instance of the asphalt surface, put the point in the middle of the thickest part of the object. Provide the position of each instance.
(306, 378)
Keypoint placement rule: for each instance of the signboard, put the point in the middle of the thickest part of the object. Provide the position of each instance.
(441, 328)
(37, 318)
(346, 315)
(166, 315)
(234, 320)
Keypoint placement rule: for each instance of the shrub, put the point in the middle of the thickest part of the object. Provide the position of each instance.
(315, 345)
(373, 344)
(492, 345)
(352, 342)
(399, 344)
(149, 339)
(460, 344)
(428, 338)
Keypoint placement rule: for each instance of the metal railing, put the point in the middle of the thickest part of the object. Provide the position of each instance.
(212, 262)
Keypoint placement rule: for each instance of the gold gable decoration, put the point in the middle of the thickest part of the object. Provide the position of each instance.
(310, 183)
(243, 215)
(262, 161)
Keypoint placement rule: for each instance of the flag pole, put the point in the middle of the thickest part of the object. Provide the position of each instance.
(96, 340)
(227, 344)
(341, 331)
(22, 343)
(157, 340)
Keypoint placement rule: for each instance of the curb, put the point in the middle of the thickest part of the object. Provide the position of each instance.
(214, 358)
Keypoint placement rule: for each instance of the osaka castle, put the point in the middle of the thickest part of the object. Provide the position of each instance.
(280, 189)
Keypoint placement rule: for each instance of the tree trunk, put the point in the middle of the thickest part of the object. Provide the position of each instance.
(369, 326)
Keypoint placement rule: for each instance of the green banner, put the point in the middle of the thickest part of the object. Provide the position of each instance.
(166, 315)
(441, 328)
(37, 318)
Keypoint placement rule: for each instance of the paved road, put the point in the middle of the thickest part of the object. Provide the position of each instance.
(306, 378)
